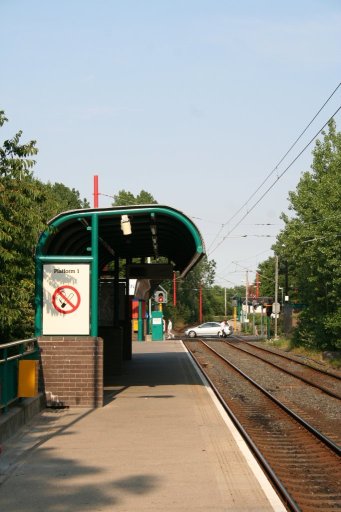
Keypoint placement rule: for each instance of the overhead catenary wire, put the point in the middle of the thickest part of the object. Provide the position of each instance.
(276, 224)
(274, 183)
(275, 168)
(318, 221)
(263, 276)
(250, 235)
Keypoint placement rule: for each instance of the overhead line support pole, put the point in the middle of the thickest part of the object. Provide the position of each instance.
(200, 304)
(95, 191)
(276, 294)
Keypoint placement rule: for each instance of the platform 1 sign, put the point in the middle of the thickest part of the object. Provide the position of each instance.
(66, 302)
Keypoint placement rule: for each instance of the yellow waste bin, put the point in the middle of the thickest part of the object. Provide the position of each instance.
(28, 378)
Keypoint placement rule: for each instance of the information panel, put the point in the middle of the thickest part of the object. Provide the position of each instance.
(66, 304)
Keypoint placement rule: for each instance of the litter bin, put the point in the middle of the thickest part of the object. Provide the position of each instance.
(157, 326)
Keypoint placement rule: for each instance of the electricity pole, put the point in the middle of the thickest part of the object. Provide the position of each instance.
(200, 304)
(246, 294)
(276, 295)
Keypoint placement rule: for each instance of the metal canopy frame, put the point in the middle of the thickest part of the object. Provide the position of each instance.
(96, 236)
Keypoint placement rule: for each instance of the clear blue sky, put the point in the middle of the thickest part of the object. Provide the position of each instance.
(194, 101)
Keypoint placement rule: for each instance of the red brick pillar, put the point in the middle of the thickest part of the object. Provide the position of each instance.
(71, 370)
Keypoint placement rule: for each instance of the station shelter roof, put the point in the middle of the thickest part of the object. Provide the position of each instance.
(156, 231)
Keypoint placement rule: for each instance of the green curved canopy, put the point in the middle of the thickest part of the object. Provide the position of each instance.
(156, 231)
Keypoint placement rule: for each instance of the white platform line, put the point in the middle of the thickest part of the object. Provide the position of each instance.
(256, 469)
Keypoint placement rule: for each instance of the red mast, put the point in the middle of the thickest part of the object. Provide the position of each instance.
(200, 304)
(174, 289)
(95, 191)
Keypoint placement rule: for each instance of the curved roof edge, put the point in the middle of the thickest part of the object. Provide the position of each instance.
(187, 253)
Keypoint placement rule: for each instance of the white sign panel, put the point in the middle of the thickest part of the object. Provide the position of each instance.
(132, 284)
(66, 303)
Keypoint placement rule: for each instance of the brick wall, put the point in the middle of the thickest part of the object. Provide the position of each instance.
(71, 370)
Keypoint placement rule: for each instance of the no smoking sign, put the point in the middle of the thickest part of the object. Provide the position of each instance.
(66, 299)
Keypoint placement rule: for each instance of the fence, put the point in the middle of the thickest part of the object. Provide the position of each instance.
(10, 355)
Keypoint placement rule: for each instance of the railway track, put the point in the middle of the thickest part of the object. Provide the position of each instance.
(302, 461)
(302, 389)
(327, 382)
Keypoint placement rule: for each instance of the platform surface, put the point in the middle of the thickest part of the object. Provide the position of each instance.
(161, 443)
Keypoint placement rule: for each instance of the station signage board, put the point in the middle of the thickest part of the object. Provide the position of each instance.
(66, 299)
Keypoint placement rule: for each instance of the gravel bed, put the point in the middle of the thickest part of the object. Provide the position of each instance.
(320, 410)
(305, 359)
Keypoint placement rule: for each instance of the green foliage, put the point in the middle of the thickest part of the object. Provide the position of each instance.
(124, 198)
(201, 276)
(266, 271)
(67, 199)
(19, 226)
(214, 302)
(187, 308)
(25, 207)
(15, 161)
(311, 244)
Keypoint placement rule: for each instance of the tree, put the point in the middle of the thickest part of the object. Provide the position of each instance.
(311, 244)
(68, 199)
(124, 198)
(19, 226)
(26, 205)
(266, 272)
(187, 309)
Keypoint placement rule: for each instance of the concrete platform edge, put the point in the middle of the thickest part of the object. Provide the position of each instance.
(252, 462)
(20, 414)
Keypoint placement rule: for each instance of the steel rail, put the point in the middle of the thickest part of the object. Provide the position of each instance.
(279, 486)
(321, 437)
(303, 379)
(332, 375)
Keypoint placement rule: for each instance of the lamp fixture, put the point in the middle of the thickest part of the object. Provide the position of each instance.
(125, 225)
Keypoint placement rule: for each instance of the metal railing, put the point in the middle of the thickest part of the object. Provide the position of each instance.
(10, 355)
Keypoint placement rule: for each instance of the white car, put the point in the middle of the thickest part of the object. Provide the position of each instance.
(208, 329)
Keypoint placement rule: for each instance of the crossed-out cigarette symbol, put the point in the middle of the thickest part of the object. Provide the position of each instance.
(62, 301)
(66, 299)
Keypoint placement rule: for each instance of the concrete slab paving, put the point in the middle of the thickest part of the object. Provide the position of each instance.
(160, 443)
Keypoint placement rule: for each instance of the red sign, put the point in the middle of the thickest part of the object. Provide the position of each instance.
(66, 299)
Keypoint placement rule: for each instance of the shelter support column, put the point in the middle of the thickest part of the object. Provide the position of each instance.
(38, 297)
(127, 334)
(94, 276)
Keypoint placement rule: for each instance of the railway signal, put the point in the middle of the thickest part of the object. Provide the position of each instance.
(160, 297)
